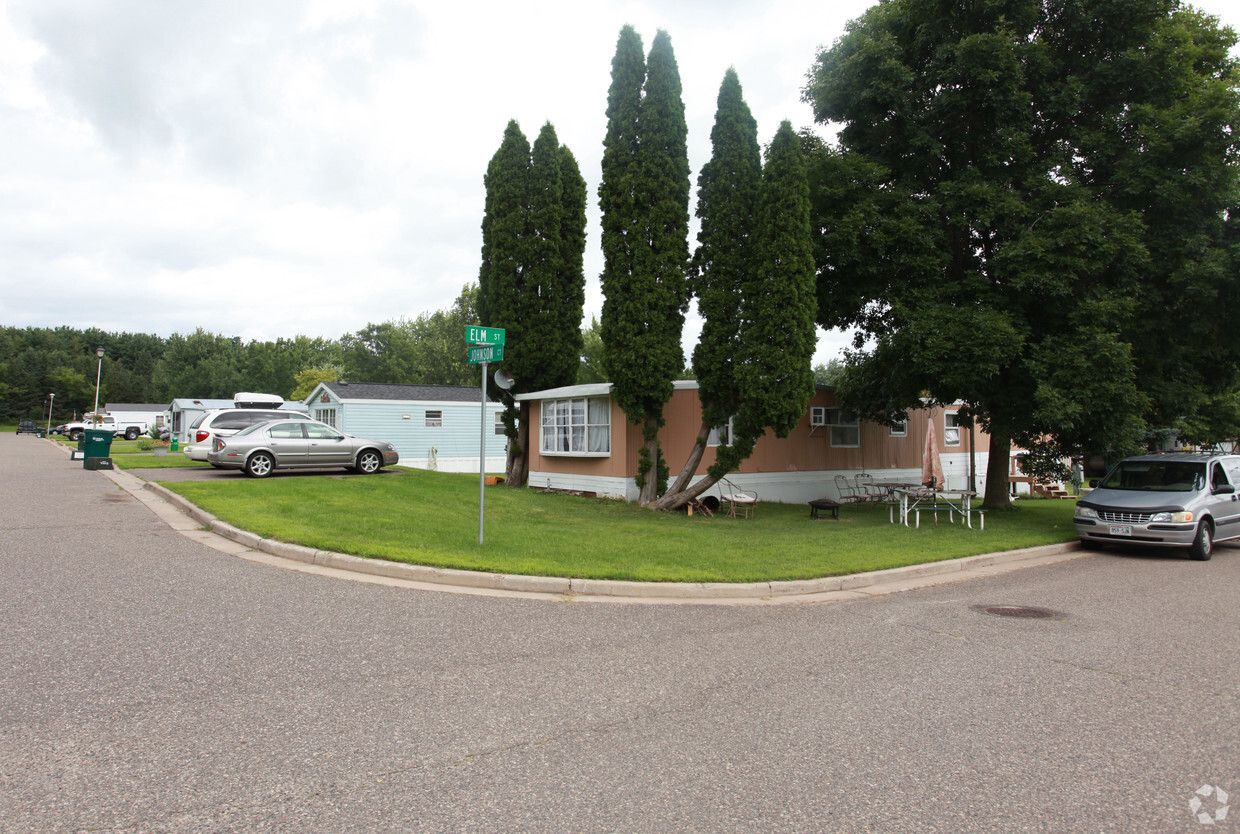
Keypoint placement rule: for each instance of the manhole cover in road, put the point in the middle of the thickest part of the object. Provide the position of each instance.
(1026, 612)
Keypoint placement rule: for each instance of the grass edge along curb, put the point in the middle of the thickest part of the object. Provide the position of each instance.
(563, 586)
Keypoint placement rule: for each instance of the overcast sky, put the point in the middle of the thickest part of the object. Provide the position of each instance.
(285, 167)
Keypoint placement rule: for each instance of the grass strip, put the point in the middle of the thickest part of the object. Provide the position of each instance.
(431, 518)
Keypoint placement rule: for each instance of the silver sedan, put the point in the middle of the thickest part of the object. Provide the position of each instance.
(290, 444)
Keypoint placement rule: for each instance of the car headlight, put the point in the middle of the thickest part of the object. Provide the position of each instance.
(1086, 512)
(1174, 518)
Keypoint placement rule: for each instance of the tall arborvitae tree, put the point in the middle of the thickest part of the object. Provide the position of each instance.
(644, 197)
(531, 278)
(770, 378)
(776, 349)
(727, 198)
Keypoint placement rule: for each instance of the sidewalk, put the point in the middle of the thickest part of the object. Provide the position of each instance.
(208, 530)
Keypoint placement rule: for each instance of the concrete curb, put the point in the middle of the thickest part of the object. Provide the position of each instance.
(881, 581)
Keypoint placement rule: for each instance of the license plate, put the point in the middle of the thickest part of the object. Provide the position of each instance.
(1117, 530)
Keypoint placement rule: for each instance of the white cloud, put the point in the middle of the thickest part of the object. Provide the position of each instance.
(309, 166)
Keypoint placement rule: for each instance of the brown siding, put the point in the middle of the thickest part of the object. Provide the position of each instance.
(805, 449)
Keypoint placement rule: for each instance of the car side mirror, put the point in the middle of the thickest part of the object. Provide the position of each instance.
(1093, 483)
(1224, 489)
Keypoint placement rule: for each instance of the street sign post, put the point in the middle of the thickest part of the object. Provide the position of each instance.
(486, 353)
(484, 335)
(486, 345)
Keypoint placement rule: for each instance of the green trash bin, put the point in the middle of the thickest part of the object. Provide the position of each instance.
(97, 447)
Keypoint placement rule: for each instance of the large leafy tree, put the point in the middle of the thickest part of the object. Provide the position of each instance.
(531, 279)
(644, 198)
(1027, 211)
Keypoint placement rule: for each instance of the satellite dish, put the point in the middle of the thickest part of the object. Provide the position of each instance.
(502, 379)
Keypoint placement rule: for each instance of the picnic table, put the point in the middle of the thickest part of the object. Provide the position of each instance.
(916, 500)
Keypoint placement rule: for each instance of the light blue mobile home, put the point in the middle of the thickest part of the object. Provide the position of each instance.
(431, 426)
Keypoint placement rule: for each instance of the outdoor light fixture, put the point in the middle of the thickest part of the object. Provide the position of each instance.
(51, 399)
(98, 376)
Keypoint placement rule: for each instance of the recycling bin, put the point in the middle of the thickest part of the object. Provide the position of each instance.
(97, 447)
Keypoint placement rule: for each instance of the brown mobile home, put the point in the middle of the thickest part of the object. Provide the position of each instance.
(580, 440)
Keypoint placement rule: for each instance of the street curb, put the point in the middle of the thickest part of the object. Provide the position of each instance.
(949, 570)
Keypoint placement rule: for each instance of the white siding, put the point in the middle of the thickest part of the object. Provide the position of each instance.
(455, 443)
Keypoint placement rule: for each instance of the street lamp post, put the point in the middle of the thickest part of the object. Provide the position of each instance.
(98, 376)
(51, 400)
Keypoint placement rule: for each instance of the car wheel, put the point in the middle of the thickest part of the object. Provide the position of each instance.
(1202, 547)
(369, 462)
(260, 465)
(75, 435)
(131, 433)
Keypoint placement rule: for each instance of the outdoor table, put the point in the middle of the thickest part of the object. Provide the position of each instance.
(953, 500)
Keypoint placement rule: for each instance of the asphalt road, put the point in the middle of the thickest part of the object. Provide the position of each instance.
(153, 684)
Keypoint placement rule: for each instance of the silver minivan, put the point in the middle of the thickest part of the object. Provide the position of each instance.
(1184, 500)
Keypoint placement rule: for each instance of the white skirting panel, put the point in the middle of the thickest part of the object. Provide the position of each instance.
(776, 487)
(495, 465)
(603, 487)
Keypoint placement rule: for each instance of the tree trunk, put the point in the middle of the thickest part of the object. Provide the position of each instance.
(675, 500)
(997, 497)
(518, 469)
(650, 489)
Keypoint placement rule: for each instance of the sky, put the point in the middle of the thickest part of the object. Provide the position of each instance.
(308, 167)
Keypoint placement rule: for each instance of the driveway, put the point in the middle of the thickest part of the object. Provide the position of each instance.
(154, 684)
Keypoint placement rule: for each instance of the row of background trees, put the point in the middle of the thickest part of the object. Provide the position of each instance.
(146, 368)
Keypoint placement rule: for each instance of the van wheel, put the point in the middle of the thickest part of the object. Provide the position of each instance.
(1202, 547)
(131, 433)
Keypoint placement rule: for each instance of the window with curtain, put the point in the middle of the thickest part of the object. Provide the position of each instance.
(576, 427)
(951, 428)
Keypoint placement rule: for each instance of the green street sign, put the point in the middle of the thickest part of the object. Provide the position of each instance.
(484, 335)
(486, 353)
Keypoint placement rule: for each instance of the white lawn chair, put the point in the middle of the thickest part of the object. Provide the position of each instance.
(738, 500)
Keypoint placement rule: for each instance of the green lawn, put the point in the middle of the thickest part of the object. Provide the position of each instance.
(431, 518)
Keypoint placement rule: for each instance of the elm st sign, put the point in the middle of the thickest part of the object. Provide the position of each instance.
(484, 335)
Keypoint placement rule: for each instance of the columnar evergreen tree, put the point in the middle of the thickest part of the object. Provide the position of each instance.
(644, 197)
(531, 279)
(728, 188)
(776, 348)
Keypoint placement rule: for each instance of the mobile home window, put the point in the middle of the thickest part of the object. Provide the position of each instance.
(326, 415)
(576, 427)
(900, 429)
(845, 428)
(434, 419)
(499, 422)
(951, 428)
(720, 435)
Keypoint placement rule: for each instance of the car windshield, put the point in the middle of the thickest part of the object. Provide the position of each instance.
(1156, 476)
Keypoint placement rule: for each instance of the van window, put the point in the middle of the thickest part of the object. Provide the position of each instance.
(1157, 476)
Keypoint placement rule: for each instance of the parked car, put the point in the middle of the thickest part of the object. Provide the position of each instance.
(27, 427)
(287, 444)
(1185, 500)
(227, 422)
